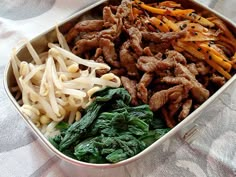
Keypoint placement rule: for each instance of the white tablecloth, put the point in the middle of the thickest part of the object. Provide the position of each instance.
(212, 153)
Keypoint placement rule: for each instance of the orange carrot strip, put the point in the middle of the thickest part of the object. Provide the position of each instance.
(220, 61)
(170, 4)
(199, 19)
(219, 69)
(190, 48)
(177, 12)
(170, 24)
(159, 24)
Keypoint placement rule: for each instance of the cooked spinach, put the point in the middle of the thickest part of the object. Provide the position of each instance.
(110, 130)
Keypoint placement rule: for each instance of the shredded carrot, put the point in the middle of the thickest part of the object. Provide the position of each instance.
(159, 24)
(220, 61)
(219, 69)
(136, 12)
(215, 50)
(170, 24)
(199, 19)
(177, 12)
(170, 4)
(176, 47)
(191, 48)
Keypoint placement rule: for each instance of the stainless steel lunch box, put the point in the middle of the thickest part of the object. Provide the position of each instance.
(186, 130)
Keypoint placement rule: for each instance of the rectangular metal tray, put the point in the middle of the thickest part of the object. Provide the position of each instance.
(185, 129)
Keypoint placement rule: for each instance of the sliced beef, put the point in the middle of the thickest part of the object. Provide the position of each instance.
(170, 121)
(176, 57)
(124, 9)
(147, 51)
(135, 40)
(101, 72)
(84, 26)
(218, 80)
(161, 98)
(152, 64)
(173, 108)
(89, 25)
(193, 69)
(185, 109)
(130, 86)
(108, 17)
(71, 35)
(171, 80)
(89, 35)
(109, 52)
(198, 91)
(119, 71)
(159, 48)
(142, 91)
(202, 68)
(85, 45)
(98, 53)
(128, 60)
(163, 36)
(113, 32)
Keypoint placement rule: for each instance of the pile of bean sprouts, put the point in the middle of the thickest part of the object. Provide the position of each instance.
(52, 87)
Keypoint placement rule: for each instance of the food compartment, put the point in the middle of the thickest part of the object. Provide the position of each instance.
(157, 25)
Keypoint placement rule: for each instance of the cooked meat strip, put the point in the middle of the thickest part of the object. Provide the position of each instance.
(100, 72)
(98, 53)
(185, 109)
(130, 86)
(113, 32)
(202, 68)
(173, 108)
(119, 72)
(218, 80)
(84, 26)
(159, 56)
(85, 45)
(142, 91)
(198, 91)
(135, 40)
(192, 68)
(138, 24)
(170, 121)
(89, 35)
(175, 56)
(109, 52)
(159, 48)
(147, 51)
(89, 25)
(127, 60)
(108, 17)
(160, 98)
(124, 9)
(71, 35)
(100, 59)
(171, 80)
(163, 36)
(151, 64)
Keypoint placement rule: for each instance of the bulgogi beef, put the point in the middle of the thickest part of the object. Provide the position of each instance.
(152, 65)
